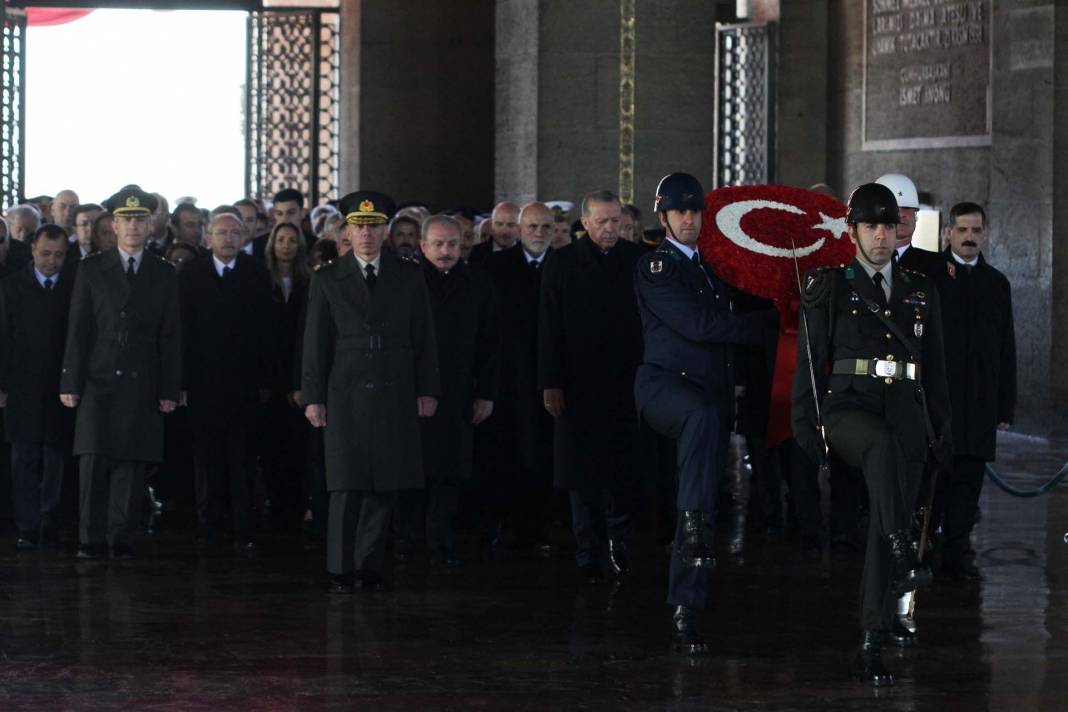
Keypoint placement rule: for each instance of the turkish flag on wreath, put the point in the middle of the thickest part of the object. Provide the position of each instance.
(751, 235)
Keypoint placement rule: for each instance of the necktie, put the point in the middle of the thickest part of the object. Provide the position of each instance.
(877, 279)
(130, 271)
(535, 265)
(371, 279)
(696, 259)
(226, 272)
(48, 284)
(895, 256)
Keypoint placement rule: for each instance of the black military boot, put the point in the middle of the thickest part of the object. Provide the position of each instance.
(693, 550)
(908, 574)
(685, 638)
(868, 665)
(618, 557)
(900, 633)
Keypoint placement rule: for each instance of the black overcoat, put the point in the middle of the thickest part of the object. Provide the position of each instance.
(123, 355)
(226, 339)
(519, 434)
(32, 335)
(467, 327)
(590, 345)
(980, 345)
(366, 358)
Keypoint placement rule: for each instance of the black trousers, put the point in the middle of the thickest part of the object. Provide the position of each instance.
(598, 515)
(956, 502)
(37, 486)
(357, 530)
(111, 493)
(865, 440)
(225, 460)
(435, 508)
(680, 409)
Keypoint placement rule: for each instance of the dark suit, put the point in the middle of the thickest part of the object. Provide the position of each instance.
(590, 345)
(39, 427)
(685, 386)
(980, 345)
(367, 356)
(467, 327)
(873, 423)
(514, 447)
(123, 356)
(926, 262)
(226, 361)
(284, 429)
(482, 251)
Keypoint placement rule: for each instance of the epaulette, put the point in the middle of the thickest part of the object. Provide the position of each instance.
(817, 285)
(321, 265)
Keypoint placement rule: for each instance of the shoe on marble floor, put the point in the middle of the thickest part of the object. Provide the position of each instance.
(686, 640)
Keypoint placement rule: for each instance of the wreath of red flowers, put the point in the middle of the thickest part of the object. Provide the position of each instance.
(746, 236)
(750, 235)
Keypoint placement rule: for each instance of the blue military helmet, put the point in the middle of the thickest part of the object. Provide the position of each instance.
(873, 203)
(679, 191)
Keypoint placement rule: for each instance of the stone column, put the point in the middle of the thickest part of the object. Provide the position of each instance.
(515, 175)
(351, 16)
(1021, 176)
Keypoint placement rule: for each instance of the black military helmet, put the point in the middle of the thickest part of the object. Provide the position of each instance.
(679, 191)
(873, 203)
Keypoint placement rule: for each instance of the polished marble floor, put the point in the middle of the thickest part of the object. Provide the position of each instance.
(180, 630)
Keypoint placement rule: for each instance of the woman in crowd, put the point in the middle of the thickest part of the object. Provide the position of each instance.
(285, 428)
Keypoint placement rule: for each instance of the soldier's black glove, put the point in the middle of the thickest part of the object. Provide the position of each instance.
(942, 454)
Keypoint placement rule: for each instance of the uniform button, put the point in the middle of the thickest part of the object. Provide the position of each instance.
(888, 313)
(889, 357)
(888, 335)
(118, 372)
(889, 380)
(854, 312)
(829, 391)
(683, 373)
(369, 386)
(122, 315)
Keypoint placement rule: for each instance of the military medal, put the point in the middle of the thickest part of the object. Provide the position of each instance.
(918, 328)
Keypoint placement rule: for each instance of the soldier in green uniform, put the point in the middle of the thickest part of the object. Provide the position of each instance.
(871, 385)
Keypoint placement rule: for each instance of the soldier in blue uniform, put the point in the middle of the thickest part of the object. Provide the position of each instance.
(685, 386)
(878, 379)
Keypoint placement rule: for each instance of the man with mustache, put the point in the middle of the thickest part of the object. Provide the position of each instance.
(980, 343)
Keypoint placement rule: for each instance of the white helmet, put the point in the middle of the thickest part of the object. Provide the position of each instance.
(903, 189)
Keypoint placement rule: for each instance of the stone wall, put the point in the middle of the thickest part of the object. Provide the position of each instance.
(1013, 177)
(426, 117)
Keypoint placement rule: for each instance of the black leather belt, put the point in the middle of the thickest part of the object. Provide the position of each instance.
(877, 368)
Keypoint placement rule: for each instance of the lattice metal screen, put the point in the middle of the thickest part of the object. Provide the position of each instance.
(293, 103)
(12, 106)
(745, 104)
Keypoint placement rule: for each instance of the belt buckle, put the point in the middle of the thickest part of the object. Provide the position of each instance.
(885, 369)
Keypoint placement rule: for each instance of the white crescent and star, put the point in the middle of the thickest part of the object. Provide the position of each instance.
(729, 222)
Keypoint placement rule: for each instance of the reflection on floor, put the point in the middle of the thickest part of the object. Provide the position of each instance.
(180, 631)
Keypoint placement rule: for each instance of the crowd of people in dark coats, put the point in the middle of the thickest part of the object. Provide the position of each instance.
(533, 339)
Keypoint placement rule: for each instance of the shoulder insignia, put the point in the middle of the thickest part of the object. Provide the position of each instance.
(656, 266)
(817, 285)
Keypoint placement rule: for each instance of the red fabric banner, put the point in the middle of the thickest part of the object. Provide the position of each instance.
(746, 236)
(44, 16)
